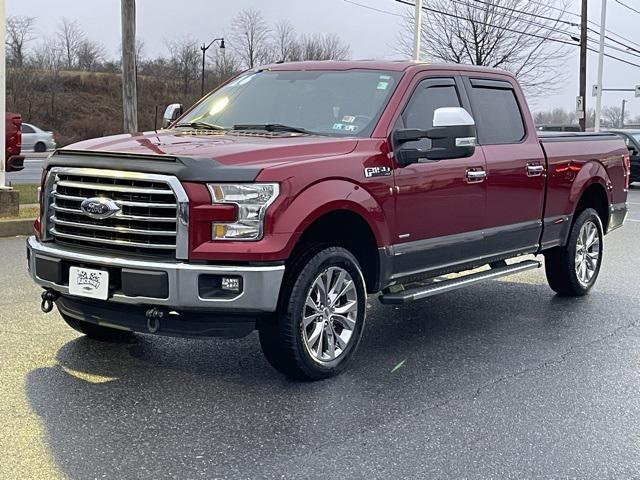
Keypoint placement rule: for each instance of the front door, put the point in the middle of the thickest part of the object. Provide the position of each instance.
(440, 205)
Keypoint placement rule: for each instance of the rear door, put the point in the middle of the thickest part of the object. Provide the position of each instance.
(516, 165)
(439, 207)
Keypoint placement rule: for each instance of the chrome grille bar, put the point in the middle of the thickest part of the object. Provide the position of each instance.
(153, 215)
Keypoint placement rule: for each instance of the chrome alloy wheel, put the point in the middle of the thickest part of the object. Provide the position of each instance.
(329, 314)
(587, 252)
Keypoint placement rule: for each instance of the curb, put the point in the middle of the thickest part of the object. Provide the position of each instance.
(13, 228)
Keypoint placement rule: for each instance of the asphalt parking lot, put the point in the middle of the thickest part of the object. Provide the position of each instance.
(501, 380)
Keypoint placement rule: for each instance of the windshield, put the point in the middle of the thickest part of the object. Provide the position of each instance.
(636, 137)
(341, 103)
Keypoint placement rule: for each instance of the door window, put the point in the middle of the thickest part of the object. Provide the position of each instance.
(27, 129)
(430, 95)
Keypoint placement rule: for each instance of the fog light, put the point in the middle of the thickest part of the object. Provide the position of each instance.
(231, 284)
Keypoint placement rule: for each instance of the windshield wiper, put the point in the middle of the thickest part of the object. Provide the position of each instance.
(201, 126)
(273, 127)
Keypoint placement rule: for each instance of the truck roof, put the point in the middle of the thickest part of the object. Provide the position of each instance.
(389, 65)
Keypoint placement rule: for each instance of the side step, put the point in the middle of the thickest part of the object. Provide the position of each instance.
(442, 286)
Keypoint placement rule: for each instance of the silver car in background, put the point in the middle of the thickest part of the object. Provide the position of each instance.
(35, 139)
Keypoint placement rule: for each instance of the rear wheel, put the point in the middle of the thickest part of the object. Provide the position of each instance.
(40, 147)
(98, 332)
(572, 270)
(321, 319)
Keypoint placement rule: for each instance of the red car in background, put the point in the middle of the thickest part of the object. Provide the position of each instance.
(13, 139)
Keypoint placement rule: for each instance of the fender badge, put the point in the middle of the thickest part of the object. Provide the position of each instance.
(377, 172)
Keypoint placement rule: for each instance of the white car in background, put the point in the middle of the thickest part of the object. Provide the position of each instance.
(35, 139)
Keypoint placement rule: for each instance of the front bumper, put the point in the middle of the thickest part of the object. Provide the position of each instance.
(49, 265)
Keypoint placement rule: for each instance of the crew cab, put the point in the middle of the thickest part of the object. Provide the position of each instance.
(284, 198)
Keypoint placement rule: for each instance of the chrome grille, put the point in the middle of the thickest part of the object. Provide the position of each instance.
(151, 220)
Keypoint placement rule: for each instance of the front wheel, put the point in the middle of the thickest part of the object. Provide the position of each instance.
(572, 270)
(321, 320)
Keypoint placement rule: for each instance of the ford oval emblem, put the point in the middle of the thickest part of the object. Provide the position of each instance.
(99, 207)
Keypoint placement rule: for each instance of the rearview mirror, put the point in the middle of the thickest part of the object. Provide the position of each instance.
(171, 114)
(453, 136)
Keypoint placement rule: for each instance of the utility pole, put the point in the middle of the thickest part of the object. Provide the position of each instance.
(622, 114)
(583, 66)
(417, 34)
(129, 87)
(603, 21)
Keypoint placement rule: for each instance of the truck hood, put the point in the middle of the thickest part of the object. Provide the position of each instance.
(225, 149)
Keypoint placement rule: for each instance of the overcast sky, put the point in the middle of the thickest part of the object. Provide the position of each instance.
(370, 34)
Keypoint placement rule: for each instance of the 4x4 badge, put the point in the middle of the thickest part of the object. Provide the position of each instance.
(377, 172)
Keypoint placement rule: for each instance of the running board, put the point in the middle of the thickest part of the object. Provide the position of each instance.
(442, 286)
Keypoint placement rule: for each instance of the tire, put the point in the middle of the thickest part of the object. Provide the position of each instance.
(314, 336)
(98, 332)
(572, 270)
(39, 147)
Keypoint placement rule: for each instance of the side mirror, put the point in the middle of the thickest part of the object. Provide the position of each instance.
(171, 114)
(453, 136)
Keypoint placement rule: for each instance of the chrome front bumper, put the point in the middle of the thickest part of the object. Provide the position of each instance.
(261, 284)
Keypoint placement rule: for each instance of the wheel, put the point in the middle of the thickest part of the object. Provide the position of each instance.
(572, 270)
(39, 147)
(98, 332)
(321, 319)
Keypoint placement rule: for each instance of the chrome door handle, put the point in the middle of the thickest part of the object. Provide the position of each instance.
(534, 169)
(475, 176)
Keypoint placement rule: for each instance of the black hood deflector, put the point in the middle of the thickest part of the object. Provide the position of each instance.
(186, 169)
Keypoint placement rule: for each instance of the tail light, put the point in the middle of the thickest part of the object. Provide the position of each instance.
(17, 121)
(627, 170)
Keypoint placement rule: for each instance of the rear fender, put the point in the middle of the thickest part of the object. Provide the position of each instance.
(590, 173)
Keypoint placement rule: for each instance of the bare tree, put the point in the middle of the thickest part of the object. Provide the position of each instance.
(612, 117)
(323, 47)
(20, 31)
(250, 37)
(185, 61)
(557, 116)
(285, 42)
(50, 59)
(70, 36)
(525, 38)
(90, 54)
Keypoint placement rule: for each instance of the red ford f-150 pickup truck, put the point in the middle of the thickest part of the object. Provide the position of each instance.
(285, 197)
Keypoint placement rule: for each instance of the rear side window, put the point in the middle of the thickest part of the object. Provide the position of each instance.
(27, 129)
(497, 113)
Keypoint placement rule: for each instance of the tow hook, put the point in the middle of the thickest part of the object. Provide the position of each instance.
(153, 319)
(48, 297)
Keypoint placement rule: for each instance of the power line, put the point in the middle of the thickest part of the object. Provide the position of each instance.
(628, 6)
(428, 9)
(405, 2)
(374, 8)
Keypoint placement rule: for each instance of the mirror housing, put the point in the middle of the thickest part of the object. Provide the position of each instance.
(171, 114)
(453, 136)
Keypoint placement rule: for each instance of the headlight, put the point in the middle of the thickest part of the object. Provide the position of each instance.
(252, 200)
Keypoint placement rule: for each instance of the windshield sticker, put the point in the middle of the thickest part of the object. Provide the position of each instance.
(382, 85)
(385, 77)
(348, 119)
(344, 127)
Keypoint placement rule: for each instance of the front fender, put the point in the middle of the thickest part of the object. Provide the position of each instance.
(324, 197)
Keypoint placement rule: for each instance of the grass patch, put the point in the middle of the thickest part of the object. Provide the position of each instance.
(25, 212)
(28, 193)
